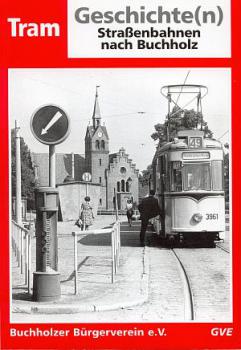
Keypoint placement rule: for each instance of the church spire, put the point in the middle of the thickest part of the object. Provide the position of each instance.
(96, 118)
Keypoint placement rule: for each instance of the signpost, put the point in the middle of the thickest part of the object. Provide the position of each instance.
(50, 125)
(87, 178)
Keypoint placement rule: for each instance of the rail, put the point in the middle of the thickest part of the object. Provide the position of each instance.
(21, 245)
(114, 231)
(222, 248)
(188, 296)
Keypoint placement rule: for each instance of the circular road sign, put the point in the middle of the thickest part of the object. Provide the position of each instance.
(86, 177)
(50, 125)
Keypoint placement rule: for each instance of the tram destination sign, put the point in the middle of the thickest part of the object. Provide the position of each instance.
(195, 155)
(50, 125)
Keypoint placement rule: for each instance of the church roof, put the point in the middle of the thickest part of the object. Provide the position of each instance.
(96, 111)
(96, 119)
(92, 130)
(63, 166)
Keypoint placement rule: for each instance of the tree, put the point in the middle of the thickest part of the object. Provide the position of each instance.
(180, 120)
(145, 181)
(27, 172)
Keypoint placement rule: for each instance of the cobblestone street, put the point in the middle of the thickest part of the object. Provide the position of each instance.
(209, 274)
(208, 269)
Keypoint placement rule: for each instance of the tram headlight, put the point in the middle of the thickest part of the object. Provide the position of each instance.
(197, 217)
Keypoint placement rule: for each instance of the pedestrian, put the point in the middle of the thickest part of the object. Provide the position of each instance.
(129, 211)
(86, 214)
(149, 208)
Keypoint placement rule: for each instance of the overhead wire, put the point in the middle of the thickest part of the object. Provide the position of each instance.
(182, 86)
(223, 134)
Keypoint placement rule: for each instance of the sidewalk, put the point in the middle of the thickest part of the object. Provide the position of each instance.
(96, 292)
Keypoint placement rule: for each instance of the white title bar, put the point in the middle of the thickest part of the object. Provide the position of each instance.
(170, 28)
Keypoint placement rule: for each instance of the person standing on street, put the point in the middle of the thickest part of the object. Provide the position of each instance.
(149, 208)
(129, 211)
(86, 214)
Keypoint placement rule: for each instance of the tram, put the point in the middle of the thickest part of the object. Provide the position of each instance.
(189, 183)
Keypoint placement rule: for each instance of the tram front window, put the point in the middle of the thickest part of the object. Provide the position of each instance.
(217, 175)
(196, 177)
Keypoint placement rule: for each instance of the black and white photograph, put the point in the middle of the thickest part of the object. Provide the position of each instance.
(120, 209)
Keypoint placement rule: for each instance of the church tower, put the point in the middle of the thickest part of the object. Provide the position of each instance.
(97, 150)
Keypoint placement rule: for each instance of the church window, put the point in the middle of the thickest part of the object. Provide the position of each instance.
(100, 180)
(100, 201)
(122, 185)
(118, 186)
(102, 144)
(122, 170)
(97, 144)
(100, 161)
(127, 186)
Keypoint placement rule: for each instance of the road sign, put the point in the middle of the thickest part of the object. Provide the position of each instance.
(86, 177)
(50, 125)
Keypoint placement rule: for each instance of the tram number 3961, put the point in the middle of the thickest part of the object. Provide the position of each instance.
(211, 216)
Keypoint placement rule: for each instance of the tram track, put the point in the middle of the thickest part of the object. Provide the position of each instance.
(189, 313)
(194, 281)
(196, 264)
(222, 248)
(208, 275)
(191, 297)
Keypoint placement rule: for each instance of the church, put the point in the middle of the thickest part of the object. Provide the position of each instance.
(115, 173)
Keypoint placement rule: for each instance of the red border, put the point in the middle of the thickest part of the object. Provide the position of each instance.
(34, 52)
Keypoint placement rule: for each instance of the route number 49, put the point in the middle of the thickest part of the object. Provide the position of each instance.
(195, 142)
(211, 216)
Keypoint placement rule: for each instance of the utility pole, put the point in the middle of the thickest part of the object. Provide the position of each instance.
(18, 175)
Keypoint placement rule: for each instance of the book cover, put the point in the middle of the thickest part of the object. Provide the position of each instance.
(120, 174)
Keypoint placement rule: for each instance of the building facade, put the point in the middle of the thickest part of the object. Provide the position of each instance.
(122, 179)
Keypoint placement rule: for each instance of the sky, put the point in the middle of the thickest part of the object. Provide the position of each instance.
(130, 103)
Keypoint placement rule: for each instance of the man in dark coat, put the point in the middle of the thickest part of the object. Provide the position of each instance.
(149, 208)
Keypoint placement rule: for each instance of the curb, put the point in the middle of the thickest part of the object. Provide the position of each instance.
(74, 309)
